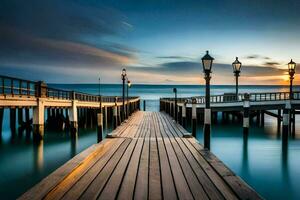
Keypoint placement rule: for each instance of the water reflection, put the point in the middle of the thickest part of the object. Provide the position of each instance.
(74, 143)
(284, 163)
(38, 156)
(245, 162)
(261, 158)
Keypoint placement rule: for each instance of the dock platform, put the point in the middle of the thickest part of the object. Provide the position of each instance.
(148, 157)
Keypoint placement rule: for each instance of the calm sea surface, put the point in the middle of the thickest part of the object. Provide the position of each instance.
(261, 160)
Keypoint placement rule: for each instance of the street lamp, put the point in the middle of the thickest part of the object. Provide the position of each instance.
(128, 86)
(175, 109)
(207, 61)
(123, 76)
(236, 65)
(100, 117)
(292, 68)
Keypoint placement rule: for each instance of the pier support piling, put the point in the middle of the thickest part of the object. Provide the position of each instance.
(38, 120)
(246, 114)
(115, 115)
(20, 117)
(105, 117)
(194, 119)
(73, 117)
(183, 114)
(262, 118)
(99, 126)
(286, 121)
(1, 121)
(12, 120)
(119, 115)
(279, 120)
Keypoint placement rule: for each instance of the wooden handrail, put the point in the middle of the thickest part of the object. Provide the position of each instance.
(15, 86)
(255, 97)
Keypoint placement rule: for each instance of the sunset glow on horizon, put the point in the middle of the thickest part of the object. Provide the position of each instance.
(158, 43)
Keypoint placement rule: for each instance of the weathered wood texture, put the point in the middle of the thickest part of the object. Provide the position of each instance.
(146, 158)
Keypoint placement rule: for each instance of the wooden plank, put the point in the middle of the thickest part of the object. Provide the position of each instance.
(154, 165)
(239, 187)
(149, 159)
(121, 131)
(129, 126)
(80, 186)
(112, 186)
(141, 186)
(131, 155)
(95, 188)
(182, 187)
(209, 179)
(47, 184)
(76, 174)
(128, 184)
(191, 178)
(167, 181)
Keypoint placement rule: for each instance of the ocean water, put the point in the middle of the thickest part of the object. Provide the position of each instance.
(261, 160)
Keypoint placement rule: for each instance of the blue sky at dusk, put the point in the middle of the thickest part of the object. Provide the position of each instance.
(161, 42)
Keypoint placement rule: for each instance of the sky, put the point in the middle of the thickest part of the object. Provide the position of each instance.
(158, 42)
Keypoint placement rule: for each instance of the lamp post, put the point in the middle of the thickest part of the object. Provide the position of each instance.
(127, 107)
(175, 107)
(207, 61)
(292, 68)
(236, 65)
(100, 118)
(123, 76)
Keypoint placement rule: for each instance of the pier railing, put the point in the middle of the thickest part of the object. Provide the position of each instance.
(26, 88)
(228, 98)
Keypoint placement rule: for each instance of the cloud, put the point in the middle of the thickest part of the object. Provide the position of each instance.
(174, 57)
(272, 63)
(256, 56)
(188, 68)
(24, 49)
(59, 35)
(60, 19)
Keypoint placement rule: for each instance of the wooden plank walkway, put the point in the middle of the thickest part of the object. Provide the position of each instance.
(146, 158)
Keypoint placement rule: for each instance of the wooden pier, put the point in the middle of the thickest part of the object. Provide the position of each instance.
(242, 109)
(148, 157)
(59, 108)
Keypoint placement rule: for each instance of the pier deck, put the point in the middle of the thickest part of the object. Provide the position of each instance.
(147, 157)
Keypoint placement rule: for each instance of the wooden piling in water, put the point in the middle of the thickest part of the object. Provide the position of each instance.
(105, 117)
(99, 125)
(119, 115)
(183, 114)
(194, 118)
(246, 114)
(1, 121)
(286, 118)
(12, 121)
(262, 118)
(115, 113)
(279, 120)
(20, 117)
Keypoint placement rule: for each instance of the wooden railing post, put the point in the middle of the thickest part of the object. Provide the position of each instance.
(194, 117)
(183, 114)
(246, 113)
(99, 125)
(115, 113)
(41, 89)
(286, 121)
(38, 120)
(73, 117)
